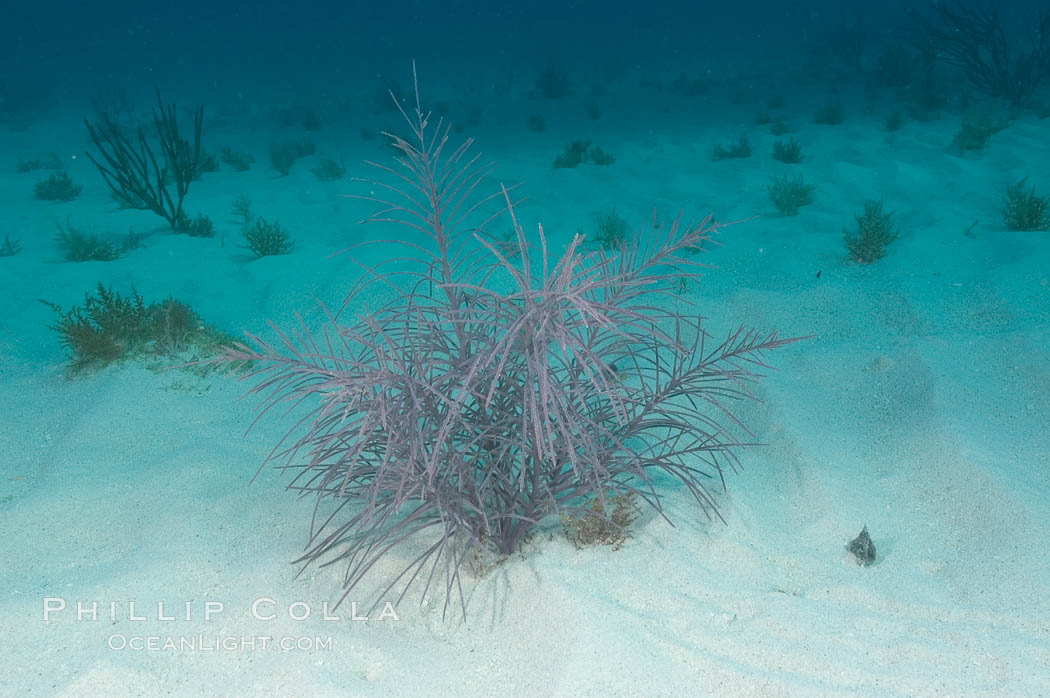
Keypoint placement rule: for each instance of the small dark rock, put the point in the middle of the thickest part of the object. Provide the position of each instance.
(862, 548)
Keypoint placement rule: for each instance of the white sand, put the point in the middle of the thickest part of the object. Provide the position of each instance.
(919, 409)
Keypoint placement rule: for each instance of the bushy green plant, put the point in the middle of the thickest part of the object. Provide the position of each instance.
(610, 229)
(241, 208)
(789, 194)
(106, 328)
(604, 522)
(266, 238)
(58, 187)
(740, 149)
(175, 327)
(975, 130)
(207, 162)
(109, 327)
(199, 227)
(329, 169)
(236, 159)
(600, 156)
(283, 155)
(788, 151)
(875, 230)
(574, 154)
(580, 151)
(79, 245)
(1024, 210)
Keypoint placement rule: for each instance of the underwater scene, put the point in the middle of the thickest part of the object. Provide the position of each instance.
(525, 349)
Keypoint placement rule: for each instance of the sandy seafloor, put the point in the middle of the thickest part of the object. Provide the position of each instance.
(919, 409)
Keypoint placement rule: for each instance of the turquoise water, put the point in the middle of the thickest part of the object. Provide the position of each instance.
(917, 407)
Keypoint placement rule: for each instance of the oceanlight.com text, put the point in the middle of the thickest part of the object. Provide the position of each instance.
(217, 643)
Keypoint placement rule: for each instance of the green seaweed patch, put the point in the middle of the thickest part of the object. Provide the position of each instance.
(1024, 210)
(109, 327)
(604, 522)
(578, 152)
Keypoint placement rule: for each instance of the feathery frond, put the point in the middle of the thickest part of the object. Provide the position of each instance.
(495, 391)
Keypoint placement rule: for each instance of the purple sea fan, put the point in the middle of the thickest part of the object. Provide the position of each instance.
(499, 386)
